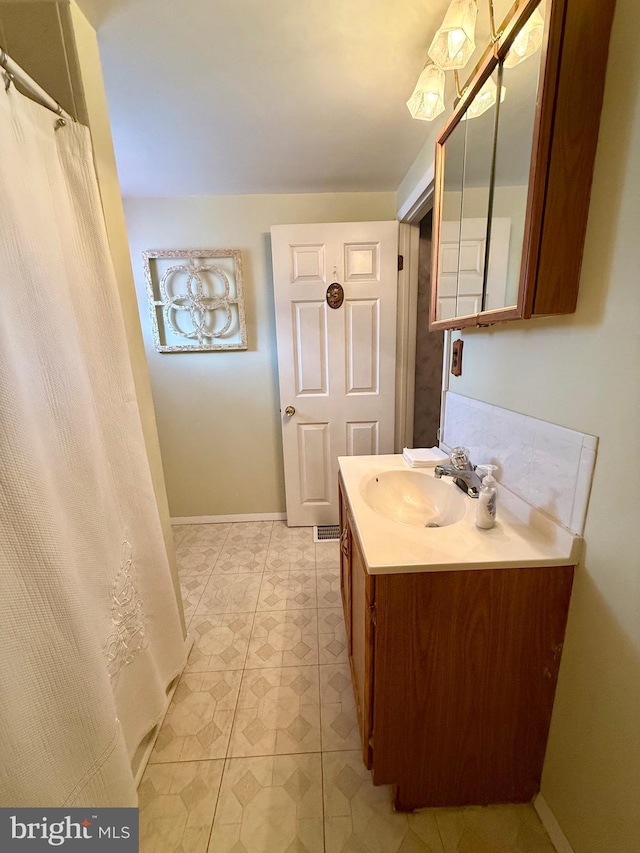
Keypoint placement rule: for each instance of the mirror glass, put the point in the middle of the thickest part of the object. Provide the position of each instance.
(450, 225)
(466, 207)
(514, 141)
(479, 119)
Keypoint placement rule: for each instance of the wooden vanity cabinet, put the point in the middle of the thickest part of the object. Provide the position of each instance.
(454, 676)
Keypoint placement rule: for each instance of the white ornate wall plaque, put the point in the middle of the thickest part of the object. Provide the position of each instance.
(195, 299)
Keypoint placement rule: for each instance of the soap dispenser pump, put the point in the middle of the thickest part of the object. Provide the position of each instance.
(487, 497)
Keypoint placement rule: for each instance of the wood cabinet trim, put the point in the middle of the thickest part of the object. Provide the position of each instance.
(363, 638)
(578, 103)
(345, 567)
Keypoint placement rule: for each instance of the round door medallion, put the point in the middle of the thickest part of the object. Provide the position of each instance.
(335, 295)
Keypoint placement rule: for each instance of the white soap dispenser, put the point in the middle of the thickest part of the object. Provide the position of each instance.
(487, 498)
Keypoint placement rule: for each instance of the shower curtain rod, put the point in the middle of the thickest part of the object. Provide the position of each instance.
(19, 75)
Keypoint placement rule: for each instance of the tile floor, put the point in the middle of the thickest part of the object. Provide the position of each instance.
(259, 750)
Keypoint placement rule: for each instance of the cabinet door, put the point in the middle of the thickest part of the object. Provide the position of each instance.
(345, 564)
(466, 667)
(362, 645)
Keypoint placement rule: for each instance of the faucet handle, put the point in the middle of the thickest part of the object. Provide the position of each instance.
(460, 458)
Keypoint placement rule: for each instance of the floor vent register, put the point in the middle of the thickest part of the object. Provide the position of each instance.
(326, 533)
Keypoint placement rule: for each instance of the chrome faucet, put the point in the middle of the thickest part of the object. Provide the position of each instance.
(462, 470)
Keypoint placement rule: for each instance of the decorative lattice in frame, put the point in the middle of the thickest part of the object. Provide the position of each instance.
(195, 299)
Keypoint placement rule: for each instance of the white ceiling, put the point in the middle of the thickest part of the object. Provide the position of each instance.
(263, 96)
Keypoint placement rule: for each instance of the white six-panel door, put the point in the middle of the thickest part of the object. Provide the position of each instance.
(336, 366)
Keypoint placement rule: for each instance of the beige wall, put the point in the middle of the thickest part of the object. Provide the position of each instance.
(422, 166)
(583, 372)
(218, 413)
(92, 94)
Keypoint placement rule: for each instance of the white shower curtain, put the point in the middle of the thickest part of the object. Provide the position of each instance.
(90, 635)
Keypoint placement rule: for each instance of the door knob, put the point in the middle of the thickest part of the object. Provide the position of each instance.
(290, 411)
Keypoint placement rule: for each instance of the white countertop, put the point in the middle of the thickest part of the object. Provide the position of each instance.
(522, 537)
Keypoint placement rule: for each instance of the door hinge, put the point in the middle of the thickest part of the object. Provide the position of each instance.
(400, 263)
(373, 615)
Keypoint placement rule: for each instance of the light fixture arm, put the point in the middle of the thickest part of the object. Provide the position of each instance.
(495, 36)
(460, 92)
(492, 21)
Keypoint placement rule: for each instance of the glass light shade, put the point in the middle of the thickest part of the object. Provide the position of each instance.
(484, 100)
(454, 42)
(427, 100)
(527, 42)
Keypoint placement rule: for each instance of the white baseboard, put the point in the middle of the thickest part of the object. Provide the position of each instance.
(218, 519)
(551, 825)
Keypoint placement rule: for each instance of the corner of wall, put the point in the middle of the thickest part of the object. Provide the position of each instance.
(420, 173)
(84, 60)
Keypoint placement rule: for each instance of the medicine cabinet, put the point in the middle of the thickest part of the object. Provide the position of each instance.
(514, 165)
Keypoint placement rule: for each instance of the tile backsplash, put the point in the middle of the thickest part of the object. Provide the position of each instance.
(549, 466)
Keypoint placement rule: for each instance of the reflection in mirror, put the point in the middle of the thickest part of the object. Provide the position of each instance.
(514, 143)
(450, 224)
(480, 123)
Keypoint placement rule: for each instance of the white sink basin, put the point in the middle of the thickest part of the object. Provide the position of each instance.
(414, 498)
(392, 504)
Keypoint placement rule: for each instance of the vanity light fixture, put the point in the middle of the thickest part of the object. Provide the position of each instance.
(527, 42)
(451, 49)
(454, 43)
(427, 100)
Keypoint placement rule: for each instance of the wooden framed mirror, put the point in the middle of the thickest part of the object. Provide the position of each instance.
(514, 165)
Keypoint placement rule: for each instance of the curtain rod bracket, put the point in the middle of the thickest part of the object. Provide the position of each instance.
(6, 74)
(11, 72)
